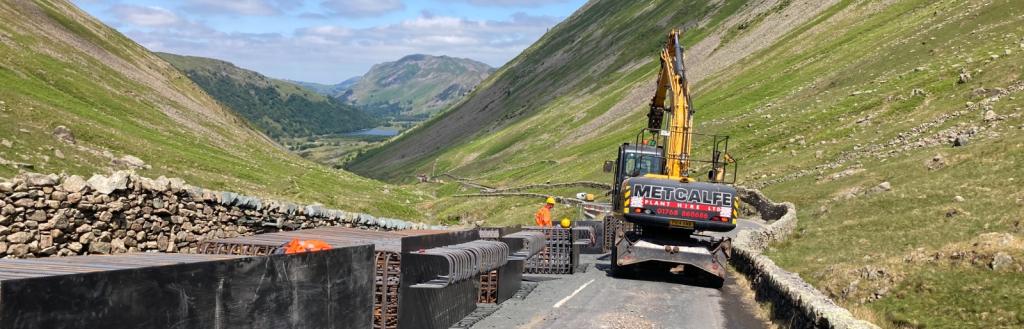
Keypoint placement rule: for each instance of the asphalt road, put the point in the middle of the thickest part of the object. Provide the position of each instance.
(594, 299)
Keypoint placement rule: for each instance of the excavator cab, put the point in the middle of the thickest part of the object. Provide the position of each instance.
(635, 160)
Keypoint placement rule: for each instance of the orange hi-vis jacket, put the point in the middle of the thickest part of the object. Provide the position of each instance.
(543, 216)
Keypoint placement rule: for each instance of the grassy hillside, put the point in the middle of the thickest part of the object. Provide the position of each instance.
(415, 86)
(61, 67)
(277, 108)
(825, 100)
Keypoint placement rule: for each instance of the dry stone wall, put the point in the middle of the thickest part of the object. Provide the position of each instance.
(57, 215)
(795, 303)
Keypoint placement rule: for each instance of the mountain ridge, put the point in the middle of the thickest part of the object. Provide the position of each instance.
(413, 87)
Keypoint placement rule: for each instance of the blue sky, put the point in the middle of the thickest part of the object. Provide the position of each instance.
(328, 41)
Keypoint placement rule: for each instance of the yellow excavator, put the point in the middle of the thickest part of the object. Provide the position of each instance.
(659, 206)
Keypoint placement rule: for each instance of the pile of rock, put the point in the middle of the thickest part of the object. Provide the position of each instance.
(47, 215)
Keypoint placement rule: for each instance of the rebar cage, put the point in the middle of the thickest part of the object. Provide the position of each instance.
(559, 256)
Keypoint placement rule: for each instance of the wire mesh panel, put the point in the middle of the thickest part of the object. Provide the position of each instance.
(557, 257)
(597, 236)
(385, 292)
(611, 225)
(227, 248)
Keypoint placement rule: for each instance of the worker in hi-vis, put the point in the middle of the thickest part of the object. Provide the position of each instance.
(543, 215)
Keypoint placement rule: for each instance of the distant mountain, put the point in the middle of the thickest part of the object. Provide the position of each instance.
(278, 108)
(328, 90)
(413, 88)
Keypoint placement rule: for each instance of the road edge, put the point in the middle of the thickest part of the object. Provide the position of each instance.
(795, 303)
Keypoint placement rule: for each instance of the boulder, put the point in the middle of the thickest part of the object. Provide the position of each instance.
(75, 247)
(99, 247)
(48, 251)
(38, 216)
(73, 198)
(64, 134)
(84, 228)
(73, 183)
(6, 187)
(106, 185)
(990, 116)
(117, 246)
(177, 184)
(1002, 262)
(20, 237)
(18, 250)
(39, 180)
(25, 203)
(936, 162)
(960, 141)
(128, 161)
(86, 238)
(965, 77)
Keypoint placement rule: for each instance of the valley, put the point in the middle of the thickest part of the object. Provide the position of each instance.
(894, 128)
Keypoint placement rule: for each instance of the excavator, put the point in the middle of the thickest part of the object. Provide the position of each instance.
(659, 207)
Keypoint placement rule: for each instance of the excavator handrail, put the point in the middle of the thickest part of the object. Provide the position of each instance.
(657, 137)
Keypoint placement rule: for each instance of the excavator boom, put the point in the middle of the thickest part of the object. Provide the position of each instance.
(672, 97)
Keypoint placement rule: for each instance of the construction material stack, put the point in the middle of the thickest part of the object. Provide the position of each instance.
(328, 289)
(501, 284)
(423, 278)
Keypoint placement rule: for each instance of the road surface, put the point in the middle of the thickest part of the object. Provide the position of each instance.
(596, 300)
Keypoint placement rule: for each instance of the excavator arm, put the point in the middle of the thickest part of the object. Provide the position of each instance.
(672, 97)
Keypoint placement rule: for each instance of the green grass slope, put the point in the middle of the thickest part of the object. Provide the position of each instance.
(825, 100)
(59, 66)
(279, 109)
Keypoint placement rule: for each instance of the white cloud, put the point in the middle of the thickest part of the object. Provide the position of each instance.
(332, 53)
(362, 8)
(240, 7)
(511, 3)
(146, 16)
(433, 22)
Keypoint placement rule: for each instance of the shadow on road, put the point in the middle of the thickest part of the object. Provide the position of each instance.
(660, 273)
(535, 278)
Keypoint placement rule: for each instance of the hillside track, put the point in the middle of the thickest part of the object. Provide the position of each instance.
(594, 299)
